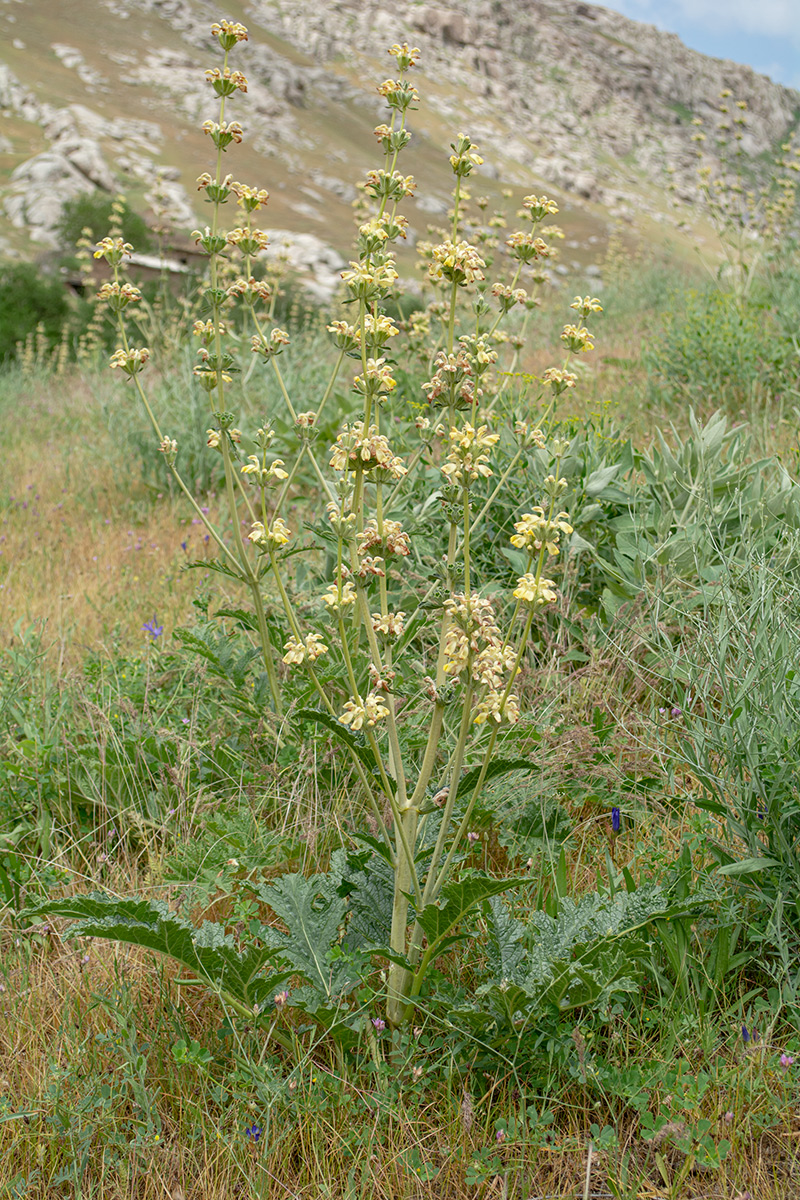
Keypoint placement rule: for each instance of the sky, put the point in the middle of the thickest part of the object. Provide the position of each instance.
(764, 34)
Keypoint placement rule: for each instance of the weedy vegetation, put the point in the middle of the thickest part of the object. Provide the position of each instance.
(399, 713)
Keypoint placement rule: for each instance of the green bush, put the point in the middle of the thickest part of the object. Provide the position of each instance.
(93, 211)
(28, 299)
(712, 350)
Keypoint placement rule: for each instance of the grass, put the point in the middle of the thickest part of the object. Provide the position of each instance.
(119, 1082)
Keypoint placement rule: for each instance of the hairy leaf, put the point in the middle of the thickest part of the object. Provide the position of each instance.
(207, 951)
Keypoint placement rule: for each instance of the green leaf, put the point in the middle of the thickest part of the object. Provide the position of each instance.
(313, 912)
(600, 479)
(748, 866)
(207, 951)
(498, 767)
(456, 900)
(245, 618)
(214, 564)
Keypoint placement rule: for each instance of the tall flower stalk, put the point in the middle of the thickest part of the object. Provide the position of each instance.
(457, 656)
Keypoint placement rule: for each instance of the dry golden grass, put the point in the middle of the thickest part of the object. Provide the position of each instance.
(85, 548)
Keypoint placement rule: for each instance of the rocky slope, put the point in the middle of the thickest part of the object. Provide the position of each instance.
(559, 94)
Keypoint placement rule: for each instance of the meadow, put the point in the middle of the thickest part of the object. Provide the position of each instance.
(399, 712)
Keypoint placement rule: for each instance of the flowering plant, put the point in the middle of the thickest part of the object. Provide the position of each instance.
(448, 662)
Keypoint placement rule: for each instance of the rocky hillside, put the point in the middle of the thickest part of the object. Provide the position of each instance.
(560, 95)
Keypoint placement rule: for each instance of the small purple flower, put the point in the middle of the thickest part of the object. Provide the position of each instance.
(253, 1132)
(473, 837)
(379, 1024)
(281, 998)
(615, 819)
(675, 711)
(745, 1035)
(153, 628)
(786, 1061)
(500, 1136)
(728, 1118)
(184, 545)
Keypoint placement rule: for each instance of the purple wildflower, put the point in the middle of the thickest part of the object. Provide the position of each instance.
(379, 1024)
(153, 628)
(253, 1132)
(786, 1061)
(616, 820)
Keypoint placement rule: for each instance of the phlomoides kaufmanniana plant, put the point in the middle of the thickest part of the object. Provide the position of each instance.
(751, 217)
(466, 685)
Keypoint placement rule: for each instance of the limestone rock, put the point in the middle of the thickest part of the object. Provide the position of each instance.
(39, 187)
(316, 264)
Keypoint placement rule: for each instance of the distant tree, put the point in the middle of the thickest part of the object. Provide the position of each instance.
(92, 210)
(27, 299)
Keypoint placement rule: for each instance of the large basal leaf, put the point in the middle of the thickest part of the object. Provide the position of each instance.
(455, 901)
(505, 949)
(207, 951)
(313, 913)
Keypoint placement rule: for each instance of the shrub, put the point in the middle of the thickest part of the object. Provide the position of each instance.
(28, 299)
(93, 210)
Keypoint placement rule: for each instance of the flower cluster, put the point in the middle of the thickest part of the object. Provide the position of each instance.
(228, 33)
(452, 384)
(526, 248)
(458, 262)
(465, 156)
(358, 450)
(309, 650)
(339, 596)
(222, 133)
(131, 362)
(226, 82)
(377, 379)
(119, 295)
(577, 339)
(533, 590)
(392, 541)
(357, 713)
(535, 531)
(399, 94)
(390, 625)
(474, 648)
(262, 473)
(113, 250)
(269, 537)
(559, 379)
(586, 305)
(370, 282)
(539, 207)
(468, 458)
